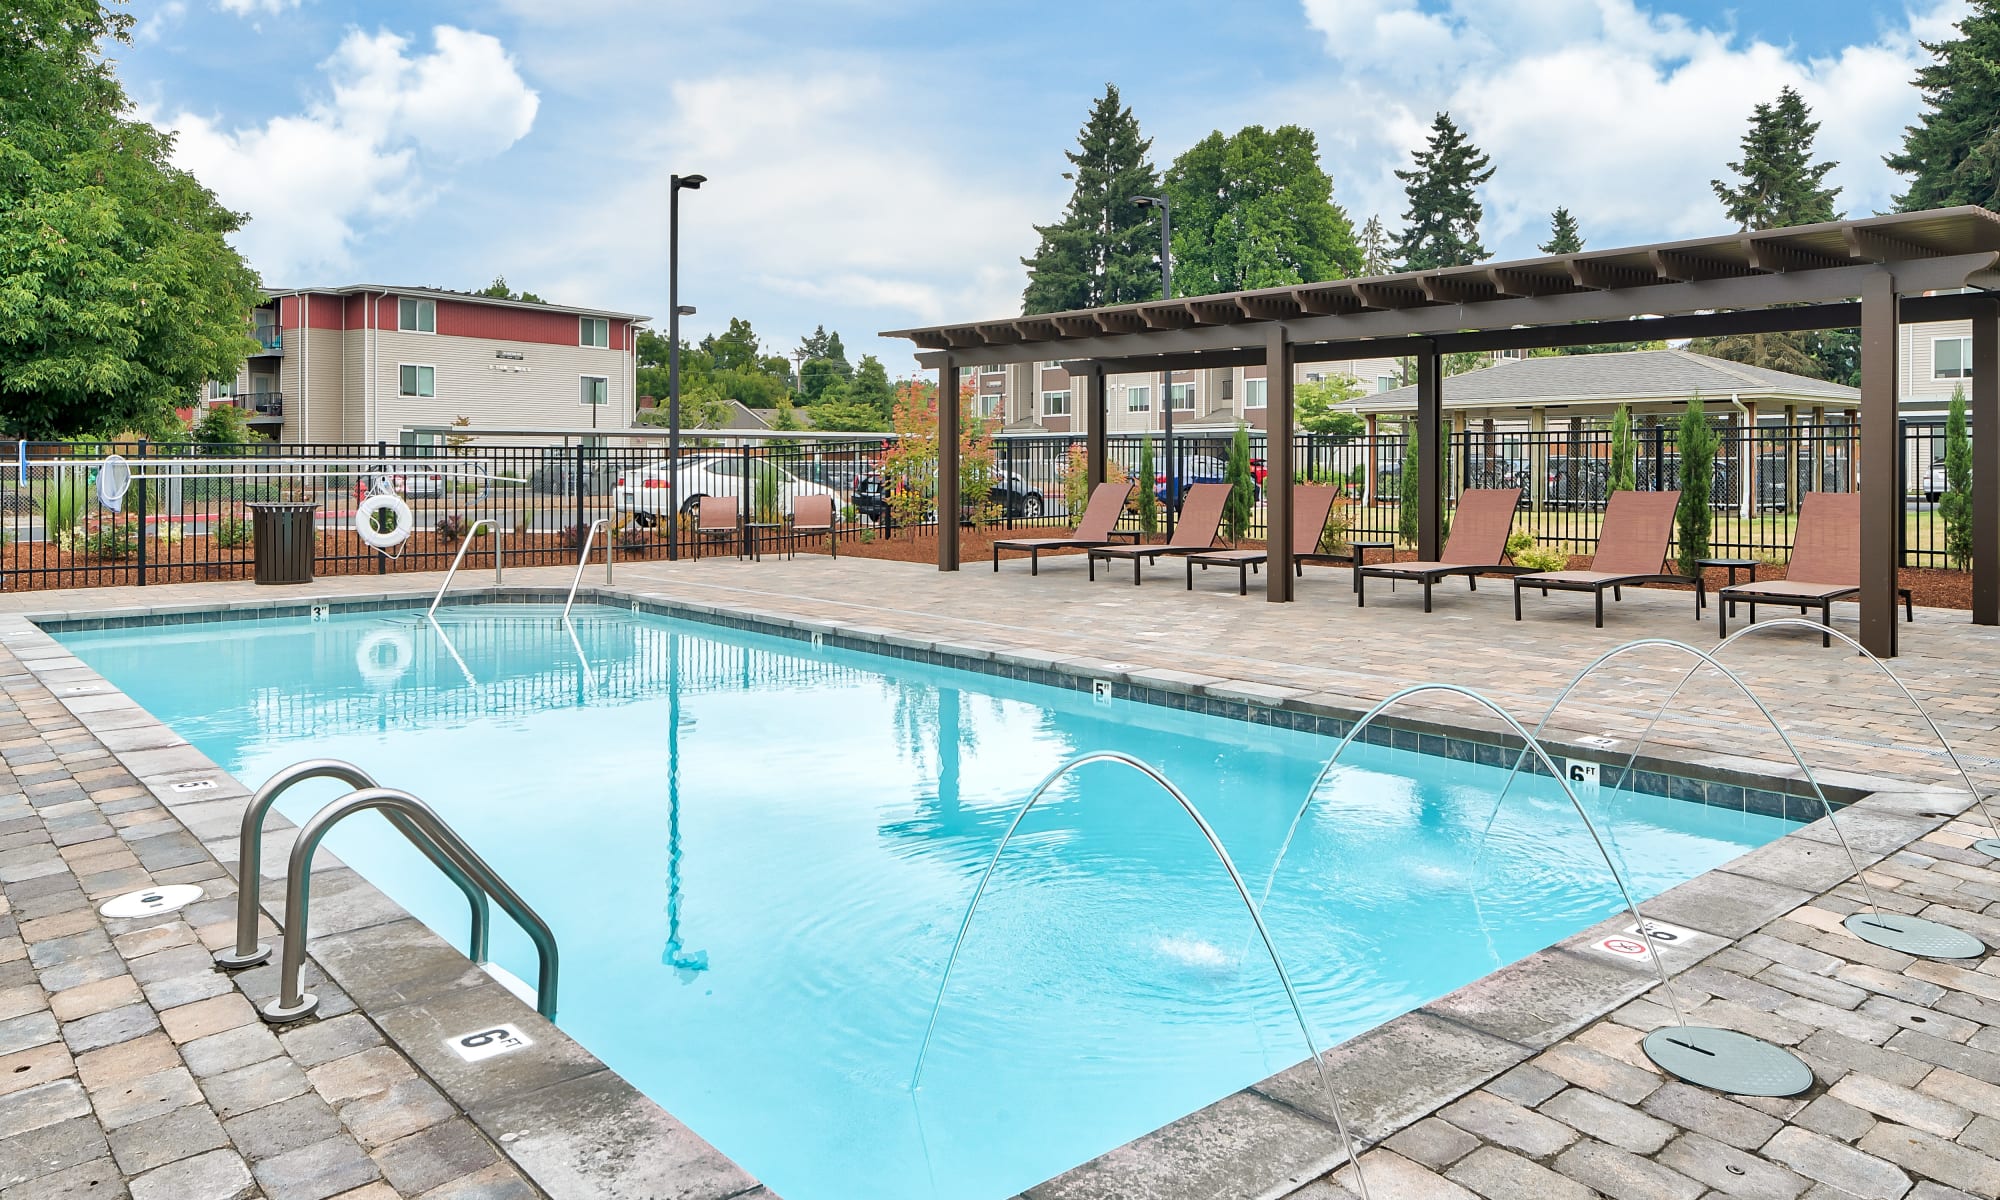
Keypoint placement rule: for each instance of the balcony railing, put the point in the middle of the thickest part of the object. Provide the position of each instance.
(261, 405)
(271, 339)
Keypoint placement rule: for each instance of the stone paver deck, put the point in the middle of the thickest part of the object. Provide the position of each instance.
(125, 1061)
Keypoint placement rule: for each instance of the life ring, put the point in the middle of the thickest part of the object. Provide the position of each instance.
(396, 535)
(384, 657)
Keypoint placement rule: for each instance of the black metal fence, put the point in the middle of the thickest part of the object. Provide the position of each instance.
(185, 515)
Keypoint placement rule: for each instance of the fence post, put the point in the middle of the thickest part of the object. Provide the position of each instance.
(746, 509)
(582, 527)
(382, 449)
(1902, 495)
(1659, 458)
(139, 509)
(1007, 473)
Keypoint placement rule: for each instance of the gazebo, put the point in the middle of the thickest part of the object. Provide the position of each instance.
(1875, 273)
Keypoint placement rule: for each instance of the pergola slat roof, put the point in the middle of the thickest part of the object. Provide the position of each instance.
(1870, 241)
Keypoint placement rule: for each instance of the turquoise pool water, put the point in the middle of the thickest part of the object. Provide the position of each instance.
(755, 856)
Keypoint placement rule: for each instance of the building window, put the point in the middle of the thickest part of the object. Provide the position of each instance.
(1951, 358)
(594, 331)
(1138, 398)
(1385, 383)
(1055, 404)
(1253, 393)
(596, 389)
(989, 404)
(1181, 396)
(417, 381)
(416, 316)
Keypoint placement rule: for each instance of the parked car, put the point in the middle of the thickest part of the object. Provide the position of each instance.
(1936, 483)
(649, 493)
(1016, 497)
(407, 483)
(1198, 468)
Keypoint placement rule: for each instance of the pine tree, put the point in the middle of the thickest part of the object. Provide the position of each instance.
(1441, 228)
(1955, 503)
(1694, 442)
(1102, 251)
(1242, 486)
(1255, 209)
(1781, 185)
(1149, 499)
(1375, 248)
(1623, 451)
(1564, 237)
(1953, 153)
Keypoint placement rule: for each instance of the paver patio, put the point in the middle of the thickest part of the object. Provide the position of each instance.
(127, 1062)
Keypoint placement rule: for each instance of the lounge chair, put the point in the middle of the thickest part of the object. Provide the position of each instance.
(812, 516)
(1825, 566)
(1631, 550)
(1107, 501)
(1477, 546)
(715, 521)
(1200, 522)
(1310, 506)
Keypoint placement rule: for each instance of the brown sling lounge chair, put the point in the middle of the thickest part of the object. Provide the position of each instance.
(812, 517)
(1310, 506)
(1631, 549)
(716, 522)
(1477, 544)
(1200, 521)
(1107, 500)
(1825, 566)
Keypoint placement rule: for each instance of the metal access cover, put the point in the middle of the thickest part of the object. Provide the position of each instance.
(1914, 935)
(151, 902)
(1990, 847)
(1727, 1061)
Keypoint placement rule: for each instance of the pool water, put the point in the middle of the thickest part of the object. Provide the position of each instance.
(755, 856)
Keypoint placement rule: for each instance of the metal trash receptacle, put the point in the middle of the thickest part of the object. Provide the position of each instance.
(282, 540)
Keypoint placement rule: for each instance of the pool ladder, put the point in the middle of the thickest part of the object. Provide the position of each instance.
(583, 560)
(499, 548)
(410, 817)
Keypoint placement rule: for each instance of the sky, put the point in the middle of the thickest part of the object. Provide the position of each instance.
(880, 164)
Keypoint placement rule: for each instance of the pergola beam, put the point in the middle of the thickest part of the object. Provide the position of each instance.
(1983, 407)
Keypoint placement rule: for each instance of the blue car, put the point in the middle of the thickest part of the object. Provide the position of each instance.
(1199, 468)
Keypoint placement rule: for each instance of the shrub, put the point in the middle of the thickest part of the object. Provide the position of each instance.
(1518, 541)
(62, 499)
(1242, 486)
(1541, 558)
(1695, 442)
(1333, 538)
(113, 541)
(223, 425)
(451, 527)
(1955, 503)
(570, 537)
(1149, 501)
(231, 532)
(1623, 451)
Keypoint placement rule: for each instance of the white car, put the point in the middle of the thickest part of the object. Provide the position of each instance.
(652, 492)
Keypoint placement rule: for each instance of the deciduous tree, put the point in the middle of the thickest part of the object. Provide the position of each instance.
(1320, 406)
(1255, 209)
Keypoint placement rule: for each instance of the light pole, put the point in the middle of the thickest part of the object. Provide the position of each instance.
(1166, 377)
(674, 185)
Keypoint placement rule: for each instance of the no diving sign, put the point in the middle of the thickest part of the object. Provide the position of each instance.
(1629, 943)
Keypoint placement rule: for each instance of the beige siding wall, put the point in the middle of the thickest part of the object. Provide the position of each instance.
(1917, 385)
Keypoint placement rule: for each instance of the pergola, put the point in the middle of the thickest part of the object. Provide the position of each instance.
(1876, 273)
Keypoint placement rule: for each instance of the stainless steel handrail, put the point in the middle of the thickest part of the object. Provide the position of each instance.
(293, 1001)
(250, 855)
(584, 560)
(499, 549)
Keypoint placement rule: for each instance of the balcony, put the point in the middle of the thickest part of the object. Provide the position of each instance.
(270, 340)
(261, 407)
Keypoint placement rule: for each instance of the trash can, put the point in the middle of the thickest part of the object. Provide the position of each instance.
(282, 537)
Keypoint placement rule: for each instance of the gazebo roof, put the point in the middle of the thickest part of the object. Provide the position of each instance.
(1934, 250)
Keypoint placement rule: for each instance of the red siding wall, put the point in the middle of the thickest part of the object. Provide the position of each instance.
(455, 318)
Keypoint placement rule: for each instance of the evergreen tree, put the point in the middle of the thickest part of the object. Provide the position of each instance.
(1242, 486)
(1441, 228)
(1694, 442)
(1375, 247)
(498, 290)
(1564, 237)
(119, 295)
(1955, 503)
(1952, 154)
(1780, 184)
(1409, 494)
(1149, 499)
(1255, 209)
(1623, 451)
(870, 386)
(1102, 250)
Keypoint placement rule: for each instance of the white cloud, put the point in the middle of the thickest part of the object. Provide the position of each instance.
(1620, 114)
(824, 187)
(311, 181)
(251, 8)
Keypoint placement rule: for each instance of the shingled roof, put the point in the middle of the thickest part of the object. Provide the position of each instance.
(1630, 377)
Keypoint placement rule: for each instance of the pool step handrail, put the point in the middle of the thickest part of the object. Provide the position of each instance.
(248, 952)
(499, 550)
(583, 560)
(293, 1002)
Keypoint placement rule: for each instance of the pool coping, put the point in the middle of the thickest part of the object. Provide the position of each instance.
(575, 1127)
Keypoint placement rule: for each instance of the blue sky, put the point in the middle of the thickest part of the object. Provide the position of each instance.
(879, 163)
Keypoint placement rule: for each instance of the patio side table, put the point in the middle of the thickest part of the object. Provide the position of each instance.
(1361, 549)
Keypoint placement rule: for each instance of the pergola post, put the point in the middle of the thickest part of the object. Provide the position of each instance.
(948, 409)
(1430, 427)
(1096, 442)
(1278, 445)
(1881, 501)
(1983, 411)
(1368, 484)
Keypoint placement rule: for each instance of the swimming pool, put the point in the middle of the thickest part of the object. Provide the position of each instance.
(755, 854)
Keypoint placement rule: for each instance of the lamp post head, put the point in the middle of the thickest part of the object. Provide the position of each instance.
(692, 182)
(685, 310)
(1150, 201)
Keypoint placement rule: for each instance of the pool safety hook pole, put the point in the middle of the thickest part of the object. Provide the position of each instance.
(1235, 878)
(1722, 1059)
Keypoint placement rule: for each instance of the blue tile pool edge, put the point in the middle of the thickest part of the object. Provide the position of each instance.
(1390, 1076)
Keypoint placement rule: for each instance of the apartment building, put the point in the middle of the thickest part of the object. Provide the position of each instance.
(363, 363)
(1933, 360)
